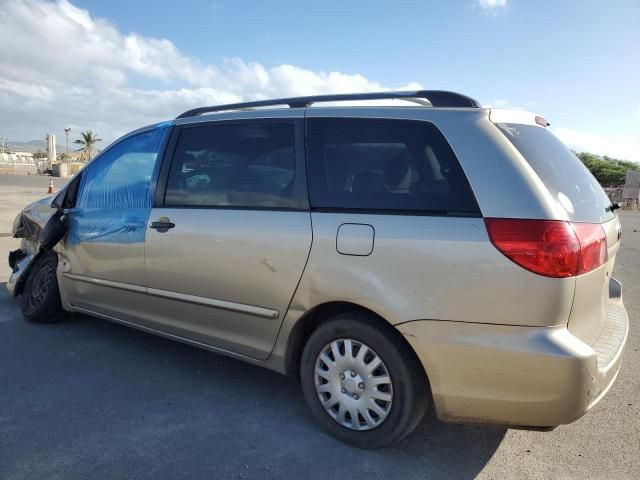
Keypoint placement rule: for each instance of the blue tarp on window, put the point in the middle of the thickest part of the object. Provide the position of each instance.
(116, 190)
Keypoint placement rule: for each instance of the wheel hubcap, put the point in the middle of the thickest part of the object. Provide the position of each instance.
(353, 384)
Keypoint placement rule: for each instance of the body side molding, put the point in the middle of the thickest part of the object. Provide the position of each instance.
(210, 302)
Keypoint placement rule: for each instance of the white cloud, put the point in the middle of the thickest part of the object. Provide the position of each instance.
(493, 6)
(530, 105)
(61, 67)
(624, 147)
(501, 103)
(490, 4)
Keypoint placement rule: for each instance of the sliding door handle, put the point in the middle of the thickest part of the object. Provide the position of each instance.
(162, 224)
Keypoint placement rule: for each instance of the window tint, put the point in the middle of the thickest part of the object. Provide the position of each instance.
(384, 165)
(240, 165)
(564, 175)
(120, 176)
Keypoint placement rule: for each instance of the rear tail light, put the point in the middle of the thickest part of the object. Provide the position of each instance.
(551, 248)
(593, 246)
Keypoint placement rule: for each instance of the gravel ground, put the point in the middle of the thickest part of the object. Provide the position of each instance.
(91, 399)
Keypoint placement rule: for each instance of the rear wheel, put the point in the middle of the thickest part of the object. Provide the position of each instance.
(41, 296)
(361, 381)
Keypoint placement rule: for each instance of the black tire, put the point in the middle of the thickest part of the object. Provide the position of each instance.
(41, 296)
(409, 384)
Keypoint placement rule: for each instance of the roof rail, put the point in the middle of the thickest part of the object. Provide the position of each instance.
(437, 98)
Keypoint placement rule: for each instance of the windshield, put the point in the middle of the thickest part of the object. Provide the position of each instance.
(564, 175)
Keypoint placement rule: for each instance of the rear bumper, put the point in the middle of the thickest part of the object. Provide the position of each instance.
(521, 376)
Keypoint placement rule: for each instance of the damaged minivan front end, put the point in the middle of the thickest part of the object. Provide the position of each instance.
(28, 226)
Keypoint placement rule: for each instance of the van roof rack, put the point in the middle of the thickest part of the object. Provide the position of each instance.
(437, 98)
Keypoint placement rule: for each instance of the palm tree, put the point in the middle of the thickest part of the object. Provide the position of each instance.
(87, 144)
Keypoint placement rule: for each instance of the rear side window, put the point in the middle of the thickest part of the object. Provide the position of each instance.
(567, 179)
(379, 164)
(235, 165)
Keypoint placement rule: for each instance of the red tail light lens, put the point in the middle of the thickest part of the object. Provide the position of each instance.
(593, 246)
(545, 247)
(549, 247)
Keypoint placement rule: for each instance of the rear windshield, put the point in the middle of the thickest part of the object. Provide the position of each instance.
(564, 175)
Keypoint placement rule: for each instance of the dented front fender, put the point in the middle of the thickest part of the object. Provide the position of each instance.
(32, 219)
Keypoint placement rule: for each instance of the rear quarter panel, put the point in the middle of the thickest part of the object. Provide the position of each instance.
(426, 267)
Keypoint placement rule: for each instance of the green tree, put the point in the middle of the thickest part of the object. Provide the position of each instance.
(610, 172)
(87, 144)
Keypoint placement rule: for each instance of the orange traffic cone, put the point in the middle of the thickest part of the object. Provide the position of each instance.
(51, 189)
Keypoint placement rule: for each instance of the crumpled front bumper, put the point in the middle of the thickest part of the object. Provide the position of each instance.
(19, 261)
(27, 225)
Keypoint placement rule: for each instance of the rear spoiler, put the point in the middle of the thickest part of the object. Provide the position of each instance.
(502, 115)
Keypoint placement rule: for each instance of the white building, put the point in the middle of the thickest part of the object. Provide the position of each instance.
(17, 158)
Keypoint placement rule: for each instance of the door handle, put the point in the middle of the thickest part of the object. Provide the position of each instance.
(163, 224)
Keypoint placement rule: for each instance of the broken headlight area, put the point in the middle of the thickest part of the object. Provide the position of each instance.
(25, 227)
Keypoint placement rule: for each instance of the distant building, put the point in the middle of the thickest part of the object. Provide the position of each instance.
(18, 162)
(16, 158)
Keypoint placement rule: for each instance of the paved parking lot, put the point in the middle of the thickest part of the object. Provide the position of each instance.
(91, 399)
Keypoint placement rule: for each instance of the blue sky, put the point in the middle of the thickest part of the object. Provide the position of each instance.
(576, 62)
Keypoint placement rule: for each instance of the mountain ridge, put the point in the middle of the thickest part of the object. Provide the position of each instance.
(33, 146)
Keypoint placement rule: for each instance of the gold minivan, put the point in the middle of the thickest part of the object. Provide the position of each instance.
(389, 256)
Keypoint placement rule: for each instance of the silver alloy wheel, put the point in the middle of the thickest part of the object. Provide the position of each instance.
(353, 384)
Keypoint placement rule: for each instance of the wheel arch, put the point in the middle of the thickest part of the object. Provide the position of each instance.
(321, 313)
(22, 279)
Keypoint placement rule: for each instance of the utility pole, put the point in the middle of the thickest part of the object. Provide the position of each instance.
(66, 134)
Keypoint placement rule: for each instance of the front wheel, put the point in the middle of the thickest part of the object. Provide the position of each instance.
(362, 382)
(41, 296)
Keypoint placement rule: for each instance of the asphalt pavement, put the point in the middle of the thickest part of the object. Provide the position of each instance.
(91, 399)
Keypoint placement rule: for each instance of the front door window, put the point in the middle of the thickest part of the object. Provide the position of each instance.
(115, 195)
